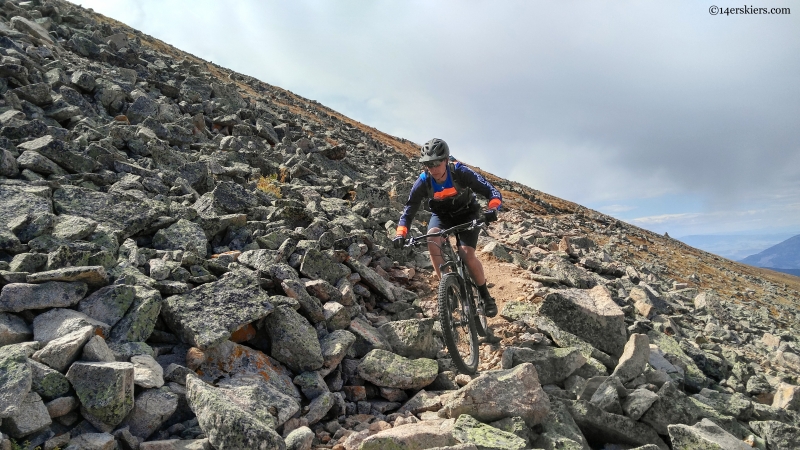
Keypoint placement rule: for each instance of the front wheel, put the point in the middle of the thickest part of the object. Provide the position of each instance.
(458, 324)
(477, 306)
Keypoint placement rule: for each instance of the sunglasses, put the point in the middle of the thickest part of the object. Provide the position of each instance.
(432, 164)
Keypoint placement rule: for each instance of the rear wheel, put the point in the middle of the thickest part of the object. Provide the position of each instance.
(458, 324)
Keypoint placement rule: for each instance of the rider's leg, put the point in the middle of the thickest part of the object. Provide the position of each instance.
(435, 249)
(473, 264)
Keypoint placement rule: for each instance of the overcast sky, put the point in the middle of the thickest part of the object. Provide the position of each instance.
(657, 113)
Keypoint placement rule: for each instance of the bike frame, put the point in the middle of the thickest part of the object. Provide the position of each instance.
(455, 263)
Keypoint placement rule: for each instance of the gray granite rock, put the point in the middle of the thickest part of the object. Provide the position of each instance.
(151, 409)
(388, 369)
(776, 434)
(13, 330)
(368, 338)
(138, 322)
(112, 209)
(299, 439)
(15, 377)
(600, 426)
(412, 338)
(310, 306)
(30, 417)
(208, 314)
(105, 391)
(147, 373)
(591, 315)
(228, 425)
(469, 430)
(60, 322)
(638, 402)
(319, 407)
(317, 265)
(108, 304)
(16, 297)
(497, 394)
(553, 365)
(558, 427)
(46, 382)
(94, 276)
(63, 351)
(182, 235)
(92, 441)
(704, 434)
(294, 340)
(634, 358)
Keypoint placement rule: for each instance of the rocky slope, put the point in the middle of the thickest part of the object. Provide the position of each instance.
(191, 258)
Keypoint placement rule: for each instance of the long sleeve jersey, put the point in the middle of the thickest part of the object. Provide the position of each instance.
(446, 198)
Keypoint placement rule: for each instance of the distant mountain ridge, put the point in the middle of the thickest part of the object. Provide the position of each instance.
(784, 255)
(735, 247)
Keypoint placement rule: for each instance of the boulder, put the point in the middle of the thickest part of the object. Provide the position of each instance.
(469, 430)
(15, 377)
(372, 279)
(421, 435)
(227, 362)
(589, 314)
(182, 235)
(208, 314)
(294, 340)
(497, 394)
(334, 348)
(105, 391)
(226, 423)
(634, 358)
(368, 338)
(139, 321)
(147, 373)
(412, 338)
(553, 365)
(567, 273)
(558, 427)
(16, 297)
(112, 209)
(387, 369)
(600, 426)
(63, 351)
(29, 417)
(151, 409)
(108, 304)
(776, 434)
(47, 382)
(59, 322)
(704, 434)
(13, 330)
(638, 402)
(317, 265)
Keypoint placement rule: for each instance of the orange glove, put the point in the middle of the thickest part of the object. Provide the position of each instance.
(494, 203)
(401, 231)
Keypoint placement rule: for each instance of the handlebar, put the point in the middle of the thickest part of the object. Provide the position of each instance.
(488, 216)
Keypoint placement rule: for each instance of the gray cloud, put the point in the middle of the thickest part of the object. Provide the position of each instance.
(603, 103)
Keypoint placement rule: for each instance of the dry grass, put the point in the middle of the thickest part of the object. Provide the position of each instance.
(269, 185)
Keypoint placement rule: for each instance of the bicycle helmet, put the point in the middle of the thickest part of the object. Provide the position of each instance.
(434, 150)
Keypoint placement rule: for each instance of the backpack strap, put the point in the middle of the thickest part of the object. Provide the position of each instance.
(456, 184)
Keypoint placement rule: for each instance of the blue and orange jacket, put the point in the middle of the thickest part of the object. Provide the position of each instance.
(450, 198)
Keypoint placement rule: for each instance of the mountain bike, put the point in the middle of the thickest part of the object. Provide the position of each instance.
(460, 305)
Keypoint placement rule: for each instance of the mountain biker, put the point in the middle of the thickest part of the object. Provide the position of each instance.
(449, 187)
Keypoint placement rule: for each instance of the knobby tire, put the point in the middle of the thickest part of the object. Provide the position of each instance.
(458, 328)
